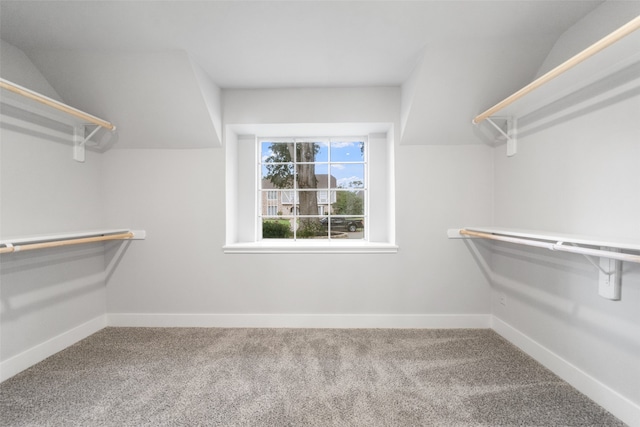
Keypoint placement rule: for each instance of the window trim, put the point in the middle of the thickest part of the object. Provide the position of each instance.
(240, 235)
(310, 246)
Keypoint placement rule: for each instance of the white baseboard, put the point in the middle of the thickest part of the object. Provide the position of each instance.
(443, 321)
(612, 401)
(30, 357)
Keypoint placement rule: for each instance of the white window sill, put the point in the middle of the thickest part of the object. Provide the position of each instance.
(273, 246)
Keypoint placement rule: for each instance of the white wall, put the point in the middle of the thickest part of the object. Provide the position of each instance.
(579, 176)
(46, 293)
(178, 197)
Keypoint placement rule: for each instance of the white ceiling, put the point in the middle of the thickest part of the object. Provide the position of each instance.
(268, 44)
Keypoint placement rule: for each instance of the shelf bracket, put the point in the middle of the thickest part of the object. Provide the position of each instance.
(511, 134)
(609, 284)
(592, 261)
(80, 140)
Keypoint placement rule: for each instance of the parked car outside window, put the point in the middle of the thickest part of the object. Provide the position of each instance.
(342, 223)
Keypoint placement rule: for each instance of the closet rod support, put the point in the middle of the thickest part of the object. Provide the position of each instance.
(591, 260)
(510, 134)
(79, 141)
(610, 284)
(97, 128)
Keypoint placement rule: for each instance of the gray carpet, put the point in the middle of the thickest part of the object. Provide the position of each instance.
(293, 377)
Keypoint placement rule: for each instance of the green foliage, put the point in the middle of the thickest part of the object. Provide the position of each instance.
(348, 203)
(280, 175)
(310, 227)
(276, 230)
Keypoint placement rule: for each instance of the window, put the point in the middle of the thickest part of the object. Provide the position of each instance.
(259, 221)
(322, 183)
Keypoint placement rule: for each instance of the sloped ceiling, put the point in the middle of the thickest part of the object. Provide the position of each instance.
(155, 68)
(156, 100)
(457, 80)
(443, 83)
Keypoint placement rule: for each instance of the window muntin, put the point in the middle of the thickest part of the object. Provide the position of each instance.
(321, 184)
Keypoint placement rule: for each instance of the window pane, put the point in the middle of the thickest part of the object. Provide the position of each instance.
(311, 228)
(276, 152)
(277, 170)
(322, 172)
(306, 176)
(348, 175)
(270, 203)
(348, 202)
(323, 199)
(275, 175)
(347, 151)
(322, 151)
(311, 152)
(277, 228)
(308, 202)
(351, 227)
(290, 202)
(289, 197)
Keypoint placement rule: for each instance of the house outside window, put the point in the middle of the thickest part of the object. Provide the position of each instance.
(312, 188)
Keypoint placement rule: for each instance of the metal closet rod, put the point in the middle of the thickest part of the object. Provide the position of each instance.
(35, 96)
(66, 242)
(603, 43)
(559, 246)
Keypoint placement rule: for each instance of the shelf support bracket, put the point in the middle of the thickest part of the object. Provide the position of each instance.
(80, 140)
(609, 273)
(511, 134)
(593, 262)
(609, 284)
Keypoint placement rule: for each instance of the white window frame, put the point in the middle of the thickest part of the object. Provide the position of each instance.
(287, 194)
(242, 201)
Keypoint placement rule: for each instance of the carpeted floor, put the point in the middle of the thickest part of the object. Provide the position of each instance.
(293, 377)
